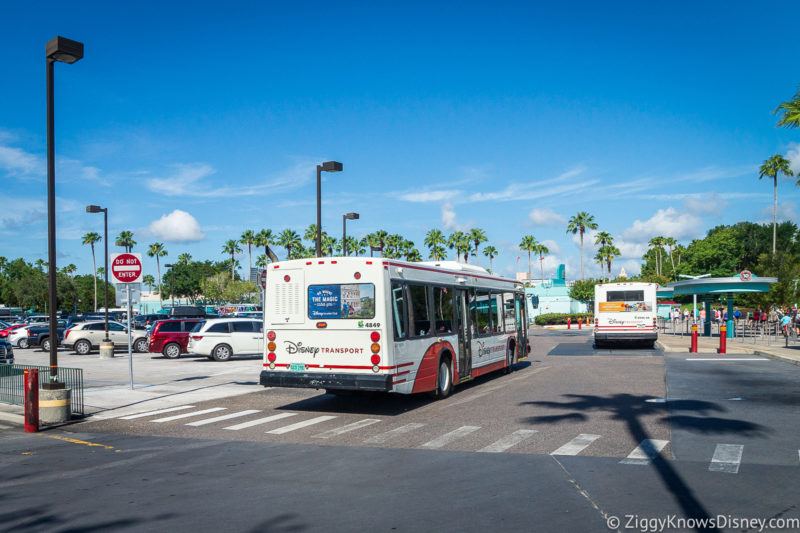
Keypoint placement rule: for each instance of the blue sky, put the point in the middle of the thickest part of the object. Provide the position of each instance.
(195, 122)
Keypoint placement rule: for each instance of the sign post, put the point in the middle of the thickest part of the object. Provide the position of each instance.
(127, 268)
(264, 310)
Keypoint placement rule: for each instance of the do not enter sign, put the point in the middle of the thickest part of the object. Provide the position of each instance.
(126, 268)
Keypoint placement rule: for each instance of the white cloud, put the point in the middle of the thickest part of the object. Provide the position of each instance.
(182, 182)
(705, 204)
(631, 249)
(787, 210)
(17, 162)
(668, 222)
(178, 226)
(449, 222)
(545, 217)
(793, 155)
(428, 196)
(553, 246)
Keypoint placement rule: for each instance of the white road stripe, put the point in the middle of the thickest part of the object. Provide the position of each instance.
(508, 441)
(159, 412)
(260, 421)
(388, 435)
(727, 458)
(187, 415)
(349, 427)
(224, 417)
(646, 451)
(576, 445)
(300, 425)
(728, 359)
(450, 437)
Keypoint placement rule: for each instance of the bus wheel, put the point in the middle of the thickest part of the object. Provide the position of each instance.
(444, 380)
(509, 359)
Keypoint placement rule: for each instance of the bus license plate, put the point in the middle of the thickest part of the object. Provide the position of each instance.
(297, 367)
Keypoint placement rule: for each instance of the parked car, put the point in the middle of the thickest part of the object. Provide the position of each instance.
(19, 337)
(87, 336)
(187, 311)
(142, 321)
(8, 329)
(249, 314)
(171, 337)
(222, 338)
(6, 353)
(39, 334)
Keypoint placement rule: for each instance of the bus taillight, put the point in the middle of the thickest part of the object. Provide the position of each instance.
(271, 335)
(375, 359)
(375, 336)
(271, 357)
(375, 347)
(271, 346)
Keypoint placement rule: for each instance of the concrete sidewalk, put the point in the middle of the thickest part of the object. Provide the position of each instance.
(158, 383)
(705, 345)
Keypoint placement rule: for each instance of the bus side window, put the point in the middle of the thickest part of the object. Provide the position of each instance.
(443, 310)
(398, 311)
(419, 314)
(483, 316)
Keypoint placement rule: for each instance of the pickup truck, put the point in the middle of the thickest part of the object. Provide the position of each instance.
(40, 335)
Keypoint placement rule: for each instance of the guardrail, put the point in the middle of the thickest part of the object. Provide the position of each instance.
(769, 332)
(12, 384)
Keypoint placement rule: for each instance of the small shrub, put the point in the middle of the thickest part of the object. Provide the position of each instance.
(549, 319)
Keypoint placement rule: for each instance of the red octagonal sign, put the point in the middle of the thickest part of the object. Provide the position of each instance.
(126, 268)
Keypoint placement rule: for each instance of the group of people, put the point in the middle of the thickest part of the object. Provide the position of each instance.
(787, 317)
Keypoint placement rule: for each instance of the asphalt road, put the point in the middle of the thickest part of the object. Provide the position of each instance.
(572, 438)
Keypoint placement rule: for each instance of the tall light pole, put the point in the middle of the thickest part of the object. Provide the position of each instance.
(66, 51)
(104, 210)
(171, 277)
(345, 218)
(328, 166)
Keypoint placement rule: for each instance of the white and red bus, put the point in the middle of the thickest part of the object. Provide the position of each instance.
(625, 312)
(358, 323)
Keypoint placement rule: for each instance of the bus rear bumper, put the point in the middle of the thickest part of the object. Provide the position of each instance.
(311, 380)
(648, 336)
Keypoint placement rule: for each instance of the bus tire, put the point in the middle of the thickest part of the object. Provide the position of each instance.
(444, 378)
(509, 359)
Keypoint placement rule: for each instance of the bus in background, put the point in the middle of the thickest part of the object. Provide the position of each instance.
(358, 323)
(625, 312)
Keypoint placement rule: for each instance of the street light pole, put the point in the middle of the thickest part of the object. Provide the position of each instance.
(345, 218)
(67, 51)
(104, 210)
(171, 277)
(328, 166)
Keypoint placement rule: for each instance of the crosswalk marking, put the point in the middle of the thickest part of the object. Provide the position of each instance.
(159, 412)
(300, 425)
(224, 417)
(576, 445)
(450, 437)
(645, 452)
(388, 435)
(508, 441)
(259, 421)
(187, 415)
(349, 427)
(727, 458)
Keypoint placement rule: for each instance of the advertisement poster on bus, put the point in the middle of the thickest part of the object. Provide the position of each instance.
(341, 301)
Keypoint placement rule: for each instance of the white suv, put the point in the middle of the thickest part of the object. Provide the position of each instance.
(85, 336)
(221, 338)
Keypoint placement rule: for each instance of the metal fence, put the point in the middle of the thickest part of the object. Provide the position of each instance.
(12, 384)
(769, 332)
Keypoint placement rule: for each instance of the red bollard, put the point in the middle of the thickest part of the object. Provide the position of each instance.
(569, 322)
(693, 349)
(31, 401)
(723, 339)
(579, 323)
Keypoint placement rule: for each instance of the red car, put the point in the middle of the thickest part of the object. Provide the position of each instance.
(5, 331)
(170, 337)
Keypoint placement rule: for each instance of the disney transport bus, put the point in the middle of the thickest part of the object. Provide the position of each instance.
(625, 312)
(360, 323)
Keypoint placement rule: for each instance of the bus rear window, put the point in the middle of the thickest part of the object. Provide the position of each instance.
(625, 296)
(353, 300)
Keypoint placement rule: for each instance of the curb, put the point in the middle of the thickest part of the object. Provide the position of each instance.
(777, 357)
(13, 418)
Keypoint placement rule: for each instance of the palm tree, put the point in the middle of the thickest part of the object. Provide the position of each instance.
(40, 264)
(232, 247)
(434, 240)
(393, 242)
(380, 238)
(265, 238)
(356, 246)
(600, 259)
(455, 241)
(790, 112)
(656, 243)
(670, 243)
(773, 166)
(249, 238)
(184, 258)
(328, 244)
(261, 261)
(91, 238)
(149, 281)
(611, 253)
(125, 240)
(542, 250)
(69, 270)
(490, 252)
(477, 235)
(100, 271)
(603, 237)
(414, 256)
(157, 250)
(579, 224)
(288, 239)
(528, 244)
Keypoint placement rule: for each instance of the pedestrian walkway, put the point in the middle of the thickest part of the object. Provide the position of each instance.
(705, 345)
